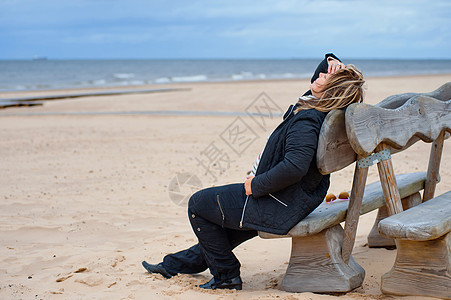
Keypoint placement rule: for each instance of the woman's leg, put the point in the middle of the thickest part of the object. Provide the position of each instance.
(214, 214)
(192, 261)
(189, 261)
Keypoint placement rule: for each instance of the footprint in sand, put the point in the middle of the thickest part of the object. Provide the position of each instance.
(117, 260)
(135, 282)
(92, 280)
(61, 279)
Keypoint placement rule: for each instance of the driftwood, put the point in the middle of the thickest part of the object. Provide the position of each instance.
(423, 261)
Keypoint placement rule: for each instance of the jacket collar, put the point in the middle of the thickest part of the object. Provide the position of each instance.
(289, 112)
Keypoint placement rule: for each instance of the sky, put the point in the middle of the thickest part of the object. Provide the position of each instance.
(173, 29)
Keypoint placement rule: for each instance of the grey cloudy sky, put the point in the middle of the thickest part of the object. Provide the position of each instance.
(224, 29)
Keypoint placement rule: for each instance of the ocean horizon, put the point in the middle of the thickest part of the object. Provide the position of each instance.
(46, 74)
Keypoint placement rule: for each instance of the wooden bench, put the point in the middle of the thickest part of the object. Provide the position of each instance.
(321, 259)
(423, 261)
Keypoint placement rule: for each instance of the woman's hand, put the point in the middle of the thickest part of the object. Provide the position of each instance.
(247, 185)
(334, 66)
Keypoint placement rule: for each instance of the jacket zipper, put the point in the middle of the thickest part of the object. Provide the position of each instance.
(220, 208)
(245, 204)
(242, 214)
(278, 200)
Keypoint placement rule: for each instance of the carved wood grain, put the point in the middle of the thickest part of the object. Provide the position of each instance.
(443, 93)
(422, 268)
(328, 215)
(316, 265)
(421, 117)
(389, 184)
(375, 240)
(334, 150)
(434, 167)
(353, 213)
(321, 259)
(426, 221)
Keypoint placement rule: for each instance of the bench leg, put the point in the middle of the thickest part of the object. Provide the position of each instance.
(375, 240)
(316, 265)
(422, 268)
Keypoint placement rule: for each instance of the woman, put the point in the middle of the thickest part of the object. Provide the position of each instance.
(282, 189)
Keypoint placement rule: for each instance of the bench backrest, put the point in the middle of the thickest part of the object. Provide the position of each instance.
(334, 149)
(420, 117)
(394, 124)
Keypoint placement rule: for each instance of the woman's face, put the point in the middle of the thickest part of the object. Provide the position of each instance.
(317, 86)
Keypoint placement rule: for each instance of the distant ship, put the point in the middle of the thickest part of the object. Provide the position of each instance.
(36, 57)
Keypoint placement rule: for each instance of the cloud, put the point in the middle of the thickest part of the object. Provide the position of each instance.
(228, 28)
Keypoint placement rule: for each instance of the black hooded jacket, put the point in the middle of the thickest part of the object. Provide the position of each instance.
(288, 186)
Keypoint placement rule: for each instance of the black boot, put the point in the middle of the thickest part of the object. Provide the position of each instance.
(157, 269)
(234, 283)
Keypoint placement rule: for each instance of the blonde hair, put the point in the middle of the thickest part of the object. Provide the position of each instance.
(342, 88)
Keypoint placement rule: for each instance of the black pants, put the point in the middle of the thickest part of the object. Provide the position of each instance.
(215, 214)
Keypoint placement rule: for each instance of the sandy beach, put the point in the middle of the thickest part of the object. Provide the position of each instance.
(84, 190)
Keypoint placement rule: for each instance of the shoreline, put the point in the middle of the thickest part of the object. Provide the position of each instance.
(161, 86)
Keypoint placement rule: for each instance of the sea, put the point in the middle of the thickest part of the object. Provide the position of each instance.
(46, 74)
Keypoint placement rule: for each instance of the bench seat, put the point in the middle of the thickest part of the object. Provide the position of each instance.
(328, 215)
(427, 221)
(423, 261)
